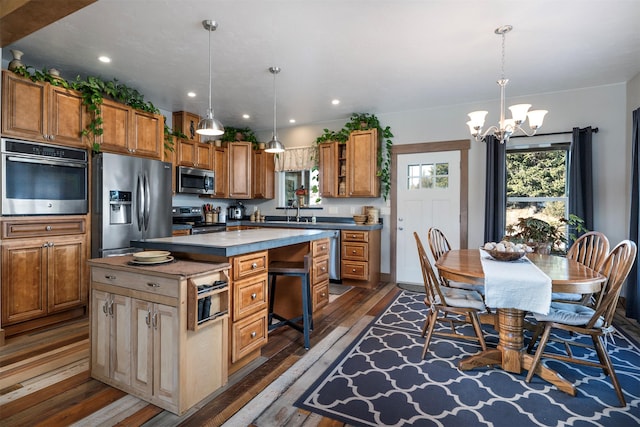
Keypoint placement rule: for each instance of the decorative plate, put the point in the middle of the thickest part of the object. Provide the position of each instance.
(151, 256)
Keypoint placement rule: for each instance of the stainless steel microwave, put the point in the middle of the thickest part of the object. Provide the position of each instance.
(195, 181)
(43, 179)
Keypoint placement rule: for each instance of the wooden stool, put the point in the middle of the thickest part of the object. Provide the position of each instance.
(299, 269)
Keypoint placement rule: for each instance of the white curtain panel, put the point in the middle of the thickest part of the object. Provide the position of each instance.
(296, 159)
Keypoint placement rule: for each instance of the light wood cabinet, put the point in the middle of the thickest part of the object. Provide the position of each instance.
(191, 152)
(360, 257)
(144, 338)
(126, 130)
(239, 170)
(41, 112)
(262, 174)
(43, 271)
(350, 169)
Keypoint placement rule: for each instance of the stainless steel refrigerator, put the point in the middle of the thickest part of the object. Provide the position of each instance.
(131, 200)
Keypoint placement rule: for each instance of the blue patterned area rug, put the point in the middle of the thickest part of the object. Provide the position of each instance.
(380, 380)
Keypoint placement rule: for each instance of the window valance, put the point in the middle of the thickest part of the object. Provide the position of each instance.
(296, 159)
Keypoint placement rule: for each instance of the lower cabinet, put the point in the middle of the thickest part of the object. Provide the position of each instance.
(149, 337)
(360, 257)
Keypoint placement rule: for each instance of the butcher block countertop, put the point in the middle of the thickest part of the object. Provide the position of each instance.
(231, 243)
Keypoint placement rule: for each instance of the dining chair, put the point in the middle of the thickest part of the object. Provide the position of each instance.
(595, 322)
(443, 300)
(439, 245)
(590, 249)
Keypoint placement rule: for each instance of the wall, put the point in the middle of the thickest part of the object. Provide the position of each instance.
(605, 107)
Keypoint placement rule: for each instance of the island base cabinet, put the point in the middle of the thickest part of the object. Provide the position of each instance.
(140, 340)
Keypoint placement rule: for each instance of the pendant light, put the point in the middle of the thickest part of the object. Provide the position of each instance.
(274, 146)
(209, 126)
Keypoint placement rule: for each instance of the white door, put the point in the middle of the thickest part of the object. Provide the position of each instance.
(428, 195)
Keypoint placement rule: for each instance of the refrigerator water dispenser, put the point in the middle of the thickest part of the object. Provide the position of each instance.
(119, 207)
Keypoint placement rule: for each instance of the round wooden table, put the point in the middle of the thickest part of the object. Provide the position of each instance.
(566, 275)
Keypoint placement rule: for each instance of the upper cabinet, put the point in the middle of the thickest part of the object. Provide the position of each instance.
(263, 174)
(239, 169)
(191, 151)
(41, 112)
(221, 169)
(130, 131)
(362, 157)
(350, 169)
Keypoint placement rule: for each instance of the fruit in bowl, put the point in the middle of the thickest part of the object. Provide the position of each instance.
(506, 251)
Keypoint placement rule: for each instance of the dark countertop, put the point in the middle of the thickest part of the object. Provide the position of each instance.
(312, 225)
(231, 243)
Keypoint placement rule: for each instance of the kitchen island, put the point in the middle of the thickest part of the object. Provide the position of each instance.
(249, 252)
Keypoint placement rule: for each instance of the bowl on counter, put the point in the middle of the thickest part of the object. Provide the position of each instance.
(360, 219)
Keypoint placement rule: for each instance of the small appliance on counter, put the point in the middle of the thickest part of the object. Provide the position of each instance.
(193, 215)
(236, 212)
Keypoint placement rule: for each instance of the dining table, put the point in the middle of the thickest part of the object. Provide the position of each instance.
(465, 265)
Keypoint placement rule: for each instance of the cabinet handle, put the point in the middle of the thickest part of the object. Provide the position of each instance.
(105, 309)
(110, 277)
(154, 320)
(111, 307)
(48, 228)
(148, 318)
(153, 285)
(45, 245)
(253, 334)
(253, 296)
(353, 251)
(254, 265)
(353, 270)
(323, 268)
(324, 247)
(323, 295)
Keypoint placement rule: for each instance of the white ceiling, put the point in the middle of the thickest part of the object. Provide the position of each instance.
(376, 56)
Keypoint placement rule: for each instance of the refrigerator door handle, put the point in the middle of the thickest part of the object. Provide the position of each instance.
(147, 202)
(140, 203)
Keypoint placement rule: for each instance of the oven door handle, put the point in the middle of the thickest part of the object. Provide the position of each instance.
(46, 162)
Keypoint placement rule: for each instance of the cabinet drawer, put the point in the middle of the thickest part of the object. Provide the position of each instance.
(320, 271)
(320, 247)
(249, 265)
(249, 296)
(138, 282)
(355, 270)
(12, 229)
(355, 236)
(355, 251)
(320, 295)
(249, 335)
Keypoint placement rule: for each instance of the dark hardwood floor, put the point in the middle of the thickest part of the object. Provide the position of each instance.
(44, 375)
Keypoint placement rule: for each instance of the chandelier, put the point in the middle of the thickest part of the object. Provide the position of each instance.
(519, 112)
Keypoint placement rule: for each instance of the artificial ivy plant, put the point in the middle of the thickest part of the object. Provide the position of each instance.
(93, 90)
(365, 121)
(230, 133)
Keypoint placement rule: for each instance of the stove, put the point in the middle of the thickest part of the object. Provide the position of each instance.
(193, 216)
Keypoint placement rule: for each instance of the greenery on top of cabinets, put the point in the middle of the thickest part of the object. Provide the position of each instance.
(232, 134)
(93, 90)
(365, 121)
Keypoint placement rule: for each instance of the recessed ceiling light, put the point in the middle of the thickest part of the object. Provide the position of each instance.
(292, 120)
(191, 94)
(104, 59)
(335, 102)
(246, 116)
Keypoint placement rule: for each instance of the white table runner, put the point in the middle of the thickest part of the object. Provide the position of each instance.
(515, 284)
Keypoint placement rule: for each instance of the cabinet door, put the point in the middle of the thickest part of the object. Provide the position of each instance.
(204, 156)
(362, 157)
(65, 284)
(66, 117)
(328, 169)
(262, 174)
(186, 153)
(23, 107)
(147, 135)
(166, 381)
(142, 347)
(120, 351)
(187, 123)
(24, 278)
(100, 334)
(240, 170)
(116, 125)
(221, 168)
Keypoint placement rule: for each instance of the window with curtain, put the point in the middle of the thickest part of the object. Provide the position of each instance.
(537, 182)
(296, 168)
